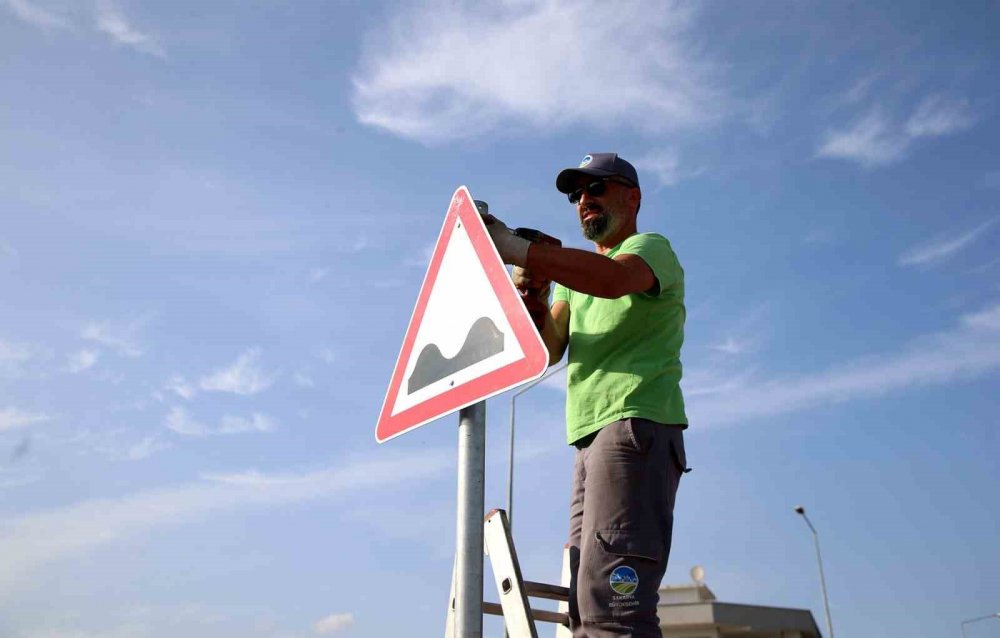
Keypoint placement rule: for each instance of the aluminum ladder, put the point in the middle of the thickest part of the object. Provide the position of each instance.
(519, 618)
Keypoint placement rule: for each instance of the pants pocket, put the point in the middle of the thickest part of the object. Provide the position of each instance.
(621, 578)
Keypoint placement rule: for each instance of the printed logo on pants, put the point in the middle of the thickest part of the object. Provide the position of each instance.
(624, 580)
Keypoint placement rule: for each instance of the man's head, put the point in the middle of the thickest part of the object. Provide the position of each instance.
(605, 190)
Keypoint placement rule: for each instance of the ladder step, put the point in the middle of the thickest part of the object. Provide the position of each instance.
(494, 609)
(543, 590)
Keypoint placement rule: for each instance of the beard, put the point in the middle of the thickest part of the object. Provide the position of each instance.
(599, 226)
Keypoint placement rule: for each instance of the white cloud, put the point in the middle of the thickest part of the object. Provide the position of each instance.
(333, 623)
(871, 141)
(317, 275)
(988, 319)
(16, 358)
(14, 418)
(942, 249)
(939, 115)
(421, 259)
(33, 14)
(179, 386)
(7, 250)
(119, 337)
(451, 70)
(327, 355)
(244, 376)
(82, 360)
(304, 380)
(111, 22)
(146, 448)
(182, 423)
(969, 350)
(878, 140)
(35, 539)
(664, 164)
(731, 346)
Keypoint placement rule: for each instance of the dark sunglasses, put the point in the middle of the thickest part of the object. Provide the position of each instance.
(594, 189)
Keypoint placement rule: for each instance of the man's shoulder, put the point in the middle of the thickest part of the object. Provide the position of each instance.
(645, 241)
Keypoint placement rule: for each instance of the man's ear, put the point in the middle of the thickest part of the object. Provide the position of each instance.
(635, 198)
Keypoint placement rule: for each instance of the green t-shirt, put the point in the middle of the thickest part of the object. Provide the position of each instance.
(625, 354)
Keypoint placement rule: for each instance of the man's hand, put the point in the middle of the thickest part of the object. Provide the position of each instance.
(534, 294)
(512, 249)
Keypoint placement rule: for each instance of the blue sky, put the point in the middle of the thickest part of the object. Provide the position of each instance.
(215, 222)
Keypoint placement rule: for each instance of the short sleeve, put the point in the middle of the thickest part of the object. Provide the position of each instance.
(561, 293)
(656, 251)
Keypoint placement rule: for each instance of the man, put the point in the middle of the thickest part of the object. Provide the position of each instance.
(620, 311)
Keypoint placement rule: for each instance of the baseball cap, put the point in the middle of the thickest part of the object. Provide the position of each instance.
(597, 165)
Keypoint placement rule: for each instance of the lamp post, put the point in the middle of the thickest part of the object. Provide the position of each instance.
(972, 620)
(801, 511)
(510, 459)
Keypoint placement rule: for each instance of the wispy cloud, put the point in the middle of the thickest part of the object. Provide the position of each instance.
(969, 350)
(35, 15)
(111, 445)
(17, 359)
(120, 337)
(33, 540)
(333, 623)
(13, 418)
(939, 115)
(317, 275)
(183, 423)
(6, 250)
(988, 319)
(876, 139)
(422, 258)
(664, 165)
(871, 141)
(110, 21)
(244, 376)
(179, 386)
(82, 360)
(743, 333)
(731, 346)
(941, 249)
(146, 448)
(303, 379)
(437, 72)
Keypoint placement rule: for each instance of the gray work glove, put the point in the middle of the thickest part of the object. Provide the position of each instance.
(512, 249)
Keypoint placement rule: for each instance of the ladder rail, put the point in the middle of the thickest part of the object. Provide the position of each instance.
(519, 617)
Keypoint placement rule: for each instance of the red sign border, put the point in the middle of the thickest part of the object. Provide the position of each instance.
(531, 366)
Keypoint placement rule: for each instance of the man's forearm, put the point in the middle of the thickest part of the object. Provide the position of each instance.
(555, 342)
(579, 270)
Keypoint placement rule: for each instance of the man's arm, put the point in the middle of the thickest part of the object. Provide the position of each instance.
(555, 334)
(590, 273)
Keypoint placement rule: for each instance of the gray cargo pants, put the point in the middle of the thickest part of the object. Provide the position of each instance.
(621, 517)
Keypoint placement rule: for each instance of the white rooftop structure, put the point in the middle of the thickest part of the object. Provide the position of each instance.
(692, 611)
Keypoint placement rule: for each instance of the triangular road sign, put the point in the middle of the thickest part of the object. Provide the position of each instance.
(470, 336)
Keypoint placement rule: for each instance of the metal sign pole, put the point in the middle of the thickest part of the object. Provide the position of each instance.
(471, 506)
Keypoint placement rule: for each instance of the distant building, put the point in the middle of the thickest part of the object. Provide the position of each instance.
(692, 611)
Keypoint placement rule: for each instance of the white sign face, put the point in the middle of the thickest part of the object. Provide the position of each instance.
(461, 299)
(470, 336)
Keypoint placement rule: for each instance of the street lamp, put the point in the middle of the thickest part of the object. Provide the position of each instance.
(822, 579)
(510, 460)
(972, 620)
